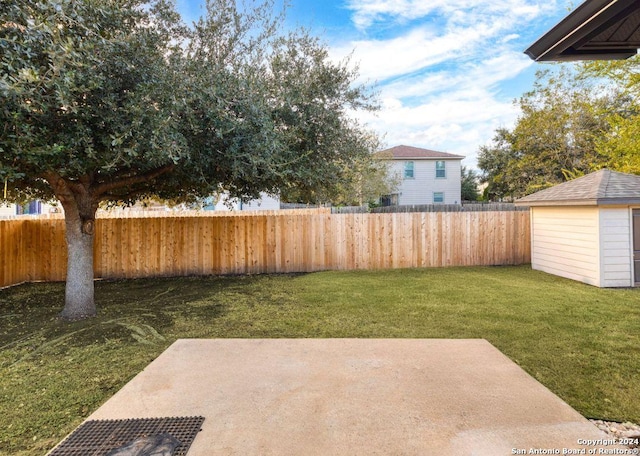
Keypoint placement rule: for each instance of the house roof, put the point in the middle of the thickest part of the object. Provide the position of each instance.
(596, 30)
(415, 153)
(604, 187)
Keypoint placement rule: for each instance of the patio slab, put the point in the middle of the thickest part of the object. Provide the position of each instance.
(353, 397)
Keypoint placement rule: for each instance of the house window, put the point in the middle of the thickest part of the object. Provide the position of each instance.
(441, 172)
(438, 197)
(408, 170)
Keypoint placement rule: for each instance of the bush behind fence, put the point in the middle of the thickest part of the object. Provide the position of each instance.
(278, 242)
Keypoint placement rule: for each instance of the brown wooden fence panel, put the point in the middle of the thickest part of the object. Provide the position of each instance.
(278, 242)
(12, 268)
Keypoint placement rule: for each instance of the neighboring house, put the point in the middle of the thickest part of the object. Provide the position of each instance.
(32, 208)
(264, 203)
(219, 203)
(425, 176)
(7, 210)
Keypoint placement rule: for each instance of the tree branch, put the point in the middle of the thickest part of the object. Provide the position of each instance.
(60, 187)
(105, 187)
(114, 197)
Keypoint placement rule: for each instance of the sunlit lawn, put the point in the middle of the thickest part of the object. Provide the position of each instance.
(582, 342)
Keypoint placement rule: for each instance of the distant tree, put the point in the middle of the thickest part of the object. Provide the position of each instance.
(376, 180)
(367, 182)
(620, 145)
(469, 182)
(114, 101)
(625, 73)
(363, 183)
(561, 119)
(498, 163)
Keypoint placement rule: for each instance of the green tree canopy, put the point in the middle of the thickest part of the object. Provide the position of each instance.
(117, 100)
(563, 121)
(620, 144)
(625, 73)
(469, 185)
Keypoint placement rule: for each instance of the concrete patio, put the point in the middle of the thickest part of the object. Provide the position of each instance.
(353, 397)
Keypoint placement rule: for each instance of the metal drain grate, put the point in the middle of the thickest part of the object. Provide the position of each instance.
(98, 437)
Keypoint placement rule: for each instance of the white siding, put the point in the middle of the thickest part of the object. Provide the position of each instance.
(420, 189)
(6, 210)
(616, 248)
(565, 242)
(265, 202)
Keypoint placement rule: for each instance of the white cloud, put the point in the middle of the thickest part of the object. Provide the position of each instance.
(368, 12)
(454, 108)
(486, 75)
(448, 31)
(379, 60)
(442, 76)
(454, 111)
(443, 111)
(510, 37)
(457, 126)
(419, 48)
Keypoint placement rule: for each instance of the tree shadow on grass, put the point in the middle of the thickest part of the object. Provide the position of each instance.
(54, 371)
(143, 311)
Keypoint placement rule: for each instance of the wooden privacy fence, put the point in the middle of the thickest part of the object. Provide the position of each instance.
(35, 249)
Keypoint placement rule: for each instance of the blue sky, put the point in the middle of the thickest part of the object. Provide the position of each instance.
(447, 71)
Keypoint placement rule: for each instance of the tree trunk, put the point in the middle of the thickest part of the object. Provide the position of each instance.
(80, 198)
(80, 208)
(79, 294)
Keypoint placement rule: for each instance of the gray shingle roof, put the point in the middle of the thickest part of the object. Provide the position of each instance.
(604, 187)
(415, 153)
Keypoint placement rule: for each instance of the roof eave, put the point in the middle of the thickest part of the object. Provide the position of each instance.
(584, 202)
(589, 202)
(574, 56)
(629, 201)
(556, 44)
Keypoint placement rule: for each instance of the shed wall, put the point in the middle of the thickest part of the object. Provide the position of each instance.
(565, 242)
(615, 243)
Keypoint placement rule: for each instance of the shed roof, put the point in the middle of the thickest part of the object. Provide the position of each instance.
(595, 30)
(415, 153)
(604, 187)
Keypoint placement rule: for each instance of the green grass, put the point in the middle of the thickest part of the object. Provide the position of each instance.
(582, 342)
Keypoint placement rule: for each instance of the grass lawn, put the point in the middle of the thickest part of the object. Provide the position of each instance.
(582, 342)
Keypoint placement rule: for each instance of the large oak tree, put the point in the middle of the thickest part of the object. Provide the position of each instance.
(117, 100)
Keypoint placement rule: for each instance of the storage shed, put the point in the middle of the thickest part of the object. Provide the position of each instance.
(588, 229)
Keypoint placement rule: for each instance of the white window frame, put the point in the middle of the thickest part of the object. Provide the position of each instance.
(434, 197)
(444, 169)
